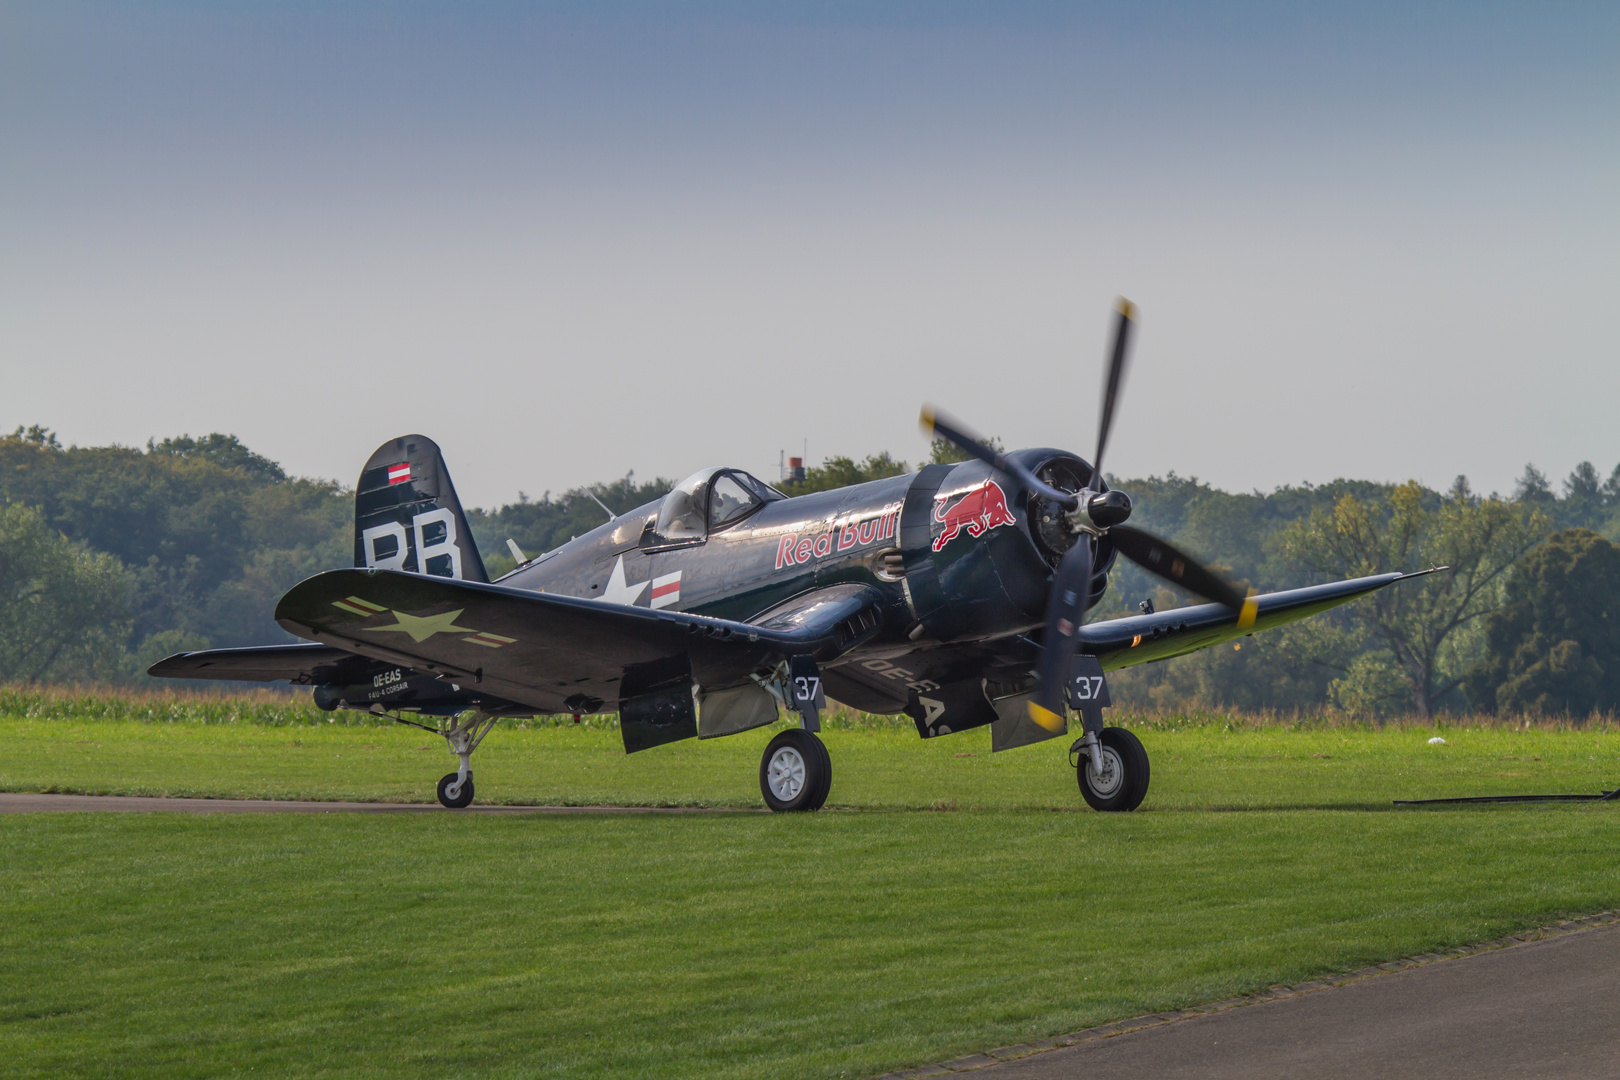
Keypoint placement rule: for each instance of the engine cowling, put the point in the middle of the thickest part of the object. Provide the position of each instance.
(979, 553)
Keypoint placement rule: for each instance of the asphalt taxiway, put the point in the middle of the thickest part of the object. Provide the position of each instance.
(1538, 1008)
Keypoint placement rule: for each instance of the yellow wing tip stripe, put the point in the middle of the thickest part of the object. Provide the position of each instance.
(1045, 717)
(1246, 617)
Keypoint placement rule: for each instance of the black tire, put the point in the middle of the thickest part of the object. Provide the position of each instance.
(1126, 785)
(463, 798)
(795, 772)
(826, 775)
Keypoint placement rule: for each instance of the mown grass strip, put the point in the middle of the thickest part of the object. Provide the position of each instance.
(771, 946)
(1210, 766)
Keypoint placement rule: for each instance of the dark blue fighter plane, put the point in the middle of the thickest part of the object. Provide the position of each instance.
(955, 594)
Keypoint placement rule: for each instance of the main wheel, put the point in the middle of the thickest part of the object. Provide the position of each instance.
(463, 797)
(795, 772)
(1120, 781)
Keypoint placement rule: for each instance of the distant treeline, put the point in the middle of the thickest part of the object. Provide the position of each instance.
(112, 557)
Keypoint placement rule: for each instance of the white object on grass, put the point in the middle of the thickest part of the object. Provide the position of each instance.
(1437, 741)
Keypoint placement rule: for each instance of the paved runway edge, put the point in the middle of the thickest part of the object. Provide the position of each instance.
(26, 802)
(1120, 1027)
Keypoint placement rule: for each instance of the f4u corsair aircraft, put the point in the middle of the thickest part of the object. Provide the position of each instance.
(955, 594)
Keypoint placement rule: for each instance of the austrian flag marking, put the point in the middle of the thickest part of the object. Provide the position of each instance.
(666, 590)
(399, 474)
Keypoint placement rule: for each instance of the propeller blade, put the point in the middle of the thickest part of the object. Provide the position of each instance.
(1177, 567)
(936, 426)
(1065, 611)
(1124, 321)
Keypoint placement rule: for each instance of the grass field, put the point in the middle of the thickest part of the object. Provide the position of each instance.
(838, 944)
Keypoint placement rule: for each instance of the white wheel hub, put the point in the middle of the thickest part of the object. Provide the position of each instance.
(785, 773)
(1106, 780)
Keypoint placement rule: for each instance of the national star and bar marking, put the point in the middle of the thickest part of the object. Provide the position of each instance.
(488, 640)
(618, 591)
(422, 627)
(354, 605)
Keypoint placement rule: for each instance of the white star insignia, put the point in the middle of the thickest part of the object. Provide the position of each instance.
(616, 591)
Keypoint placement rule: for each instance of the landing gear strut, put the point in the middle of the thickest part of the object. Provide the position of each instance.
(795, 772)
(463, 733)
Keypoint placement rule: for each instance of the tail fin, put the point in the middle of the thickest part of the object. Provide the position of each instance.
(407, 516)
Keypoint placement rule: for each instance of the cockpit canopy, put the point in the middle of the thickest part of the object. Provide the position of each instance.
(708, 500)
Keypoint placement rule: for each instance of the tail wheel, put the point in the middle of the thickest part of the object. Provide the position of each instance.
(795, 772)
(1119, 781)
(459, 799)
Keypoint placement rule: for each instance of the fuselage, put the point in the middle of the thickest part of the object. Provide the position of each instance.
(949, 547)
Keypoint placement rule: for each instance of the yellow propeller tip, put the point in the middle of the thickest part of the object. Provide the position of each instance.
(1246, 617)
(926, 419)
(1127, 309)
(1048, 719)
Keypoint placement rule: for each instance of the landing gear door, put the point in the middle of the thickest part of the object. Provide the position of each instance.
(1014, 727)
(808, 698)
(1088, 692)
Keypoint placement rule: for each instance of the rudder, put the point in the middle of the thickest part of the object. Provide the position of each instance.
(407, 516)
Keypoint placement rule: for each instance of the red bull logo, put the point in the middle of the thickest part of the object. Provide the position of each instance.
(980, 510)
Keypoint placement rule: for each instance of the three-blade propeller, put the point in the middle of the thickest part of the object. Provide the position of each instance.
(1097, 513)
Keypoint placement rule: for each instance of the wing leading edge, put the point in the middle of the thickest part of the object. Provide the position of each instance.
(302, 664)
(1140, 639)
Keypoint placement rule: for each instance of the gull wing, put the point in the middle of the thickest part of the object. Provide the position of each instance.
(557, 653)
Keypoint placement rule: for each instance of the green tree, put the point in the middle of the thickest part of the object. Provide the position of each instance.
(838, 472)
(1427, 630)
(538, 525)
(941, 452)
(211, 532)
(1554, 647)
(64, 609)
(1533, 487)
(226, 451)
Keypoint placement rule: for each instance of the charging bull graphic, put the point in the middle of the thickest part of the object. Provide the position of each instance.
(980, 510)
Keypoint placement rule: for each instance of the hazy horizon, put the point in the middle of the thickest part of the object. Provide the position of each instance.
(1377, 243)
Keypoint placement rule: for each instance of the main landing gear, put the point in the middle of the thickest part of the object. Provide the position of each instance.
(463, 733)
(1112, 768)
(795, 772)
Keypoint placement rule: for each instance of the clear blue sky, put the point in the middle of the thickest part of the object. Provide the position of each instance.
(1382, 241)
